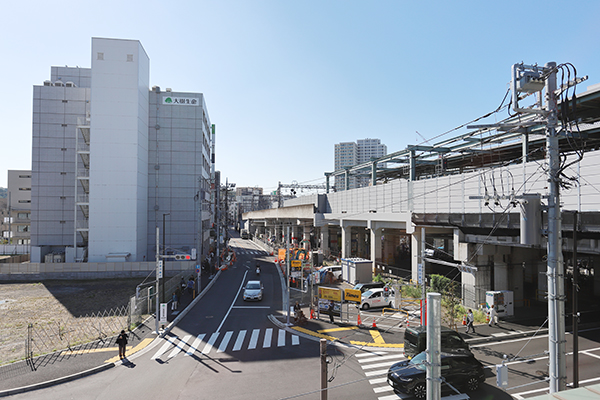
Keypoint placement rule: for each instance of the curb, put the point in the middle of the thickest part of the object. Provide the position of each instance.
(189, 307)
(57, 381)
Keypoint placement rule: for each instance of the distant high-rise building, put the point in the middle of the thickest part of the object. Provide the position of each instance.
(348, 154)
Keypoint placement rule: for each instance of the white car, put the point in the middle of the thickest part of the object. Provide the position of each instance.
(336, 270)
(377, 298)
(253, 291)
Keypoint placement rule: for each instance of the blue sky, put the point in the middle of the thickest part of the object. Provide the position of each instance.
(286, 80)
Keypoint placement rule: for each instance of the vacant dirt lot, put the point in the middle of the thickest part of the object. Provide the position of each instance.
(47, 302)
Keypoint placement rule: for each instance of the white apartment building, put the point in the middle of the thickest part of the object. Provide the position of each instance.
(348, 154)
(112, 159)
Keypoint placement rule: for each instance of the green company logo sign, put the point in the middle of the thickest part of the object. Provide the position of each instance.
(181, 101)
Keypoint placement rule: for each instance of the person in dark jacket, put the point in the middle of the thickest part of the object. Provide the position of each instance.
(122, 342)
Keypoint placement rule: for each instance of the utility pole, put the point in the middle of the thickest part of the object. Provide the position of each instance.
(575, 305)
(164, 249)
(434, 358)
(323, 348)
(157, 275)
(555, 269)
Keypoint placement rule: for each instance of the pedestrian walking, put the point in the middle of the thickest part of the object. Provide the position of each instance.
(190, 285)
(493, 316)
(174, 302)
(330, 309)
(470, 320)
(122, 342)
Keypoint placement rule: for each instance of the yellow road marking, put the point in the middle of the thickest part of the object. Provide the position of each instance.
(312, 333)
(130, 350)
(371, 344)
(337, 329)
(377, 337)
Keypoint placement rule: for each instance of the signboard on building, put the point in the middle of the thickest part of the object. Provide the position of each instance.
(181, 101)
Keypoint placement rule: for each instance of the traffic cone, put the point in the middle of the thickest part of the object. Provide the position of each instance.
(374, 324)
(464, 319)
(487, 318)
(407, 322)
(312, 314)
(358, 321)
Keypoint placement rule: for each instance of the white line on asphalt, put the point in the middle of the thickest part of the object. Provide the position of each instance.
(379, 365)
(371, 353)
(295, 340)
(377, 381)
(281, 338)
(237, 307)
(179, 346)
(163, 348)
(225, 342)
(399, 357)
(253, 339)
(382, 389)
(195, 345)
(208, 347)
(234, 299)
(378, 372)
(240, 340)
(268, 336)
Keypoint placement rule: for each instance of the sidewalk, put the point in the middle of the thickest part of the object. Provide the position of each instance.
(87, 359)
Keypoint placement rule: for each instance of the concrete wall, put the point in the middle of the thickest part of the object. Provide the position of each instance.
(118, 149)
(103, 270)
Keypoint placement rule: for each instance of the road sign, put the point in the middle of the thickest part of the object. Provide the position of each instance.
(160, 269)
(420, 274)
(163, 314)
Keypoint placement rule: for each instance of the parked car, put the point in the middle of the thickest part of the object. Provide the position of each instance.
(377, 297)
(244, 234)
(336, 270)
(415, 341)
(253, 291)
(459, 370)
(363, 287)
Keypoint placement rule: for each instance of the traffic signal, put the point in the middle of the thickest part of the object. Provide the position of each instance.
(181, 257)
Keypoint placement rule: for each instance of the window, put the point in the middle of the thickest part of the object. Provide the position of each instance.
(23, 228)
(100, 56)
(24, 201)
(23, 215)
(25, 188)
(24, 176)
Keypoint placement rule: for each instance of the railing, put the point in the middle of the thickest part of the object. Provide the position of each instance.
(71, 333)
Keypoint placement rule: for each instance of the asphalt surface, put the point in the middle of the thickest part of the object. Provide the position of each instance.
(375, 331)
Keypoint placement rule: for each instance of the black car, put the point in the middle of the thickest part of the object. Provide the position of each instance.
(459, 370)
(415, 341)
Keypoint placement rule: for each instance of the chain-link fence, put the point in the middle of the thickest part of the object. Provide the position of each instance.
(71, 333)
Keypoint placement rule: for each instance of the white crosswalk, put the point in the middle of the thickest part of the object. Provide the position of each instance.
(191, 344)
(250, 252)
(375, 365)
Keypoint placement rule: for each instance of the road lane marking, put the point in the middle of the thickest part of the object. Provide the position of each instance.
(240, 340)
(376, 335)
(295, 340)
(244, 307)
(225, 342)
(371, 353)
(208, 347)
(195, 345)
(268, 336)
(234, 300)
(281, 338)
(337, 329)
(380, 358)
(253, 339)
(179, 346)
(379, 365)
(163, 348)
